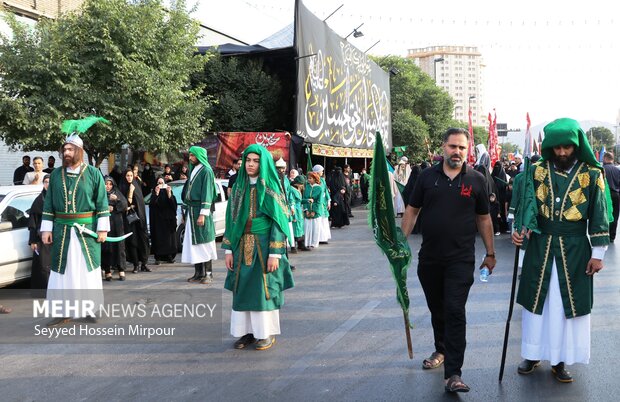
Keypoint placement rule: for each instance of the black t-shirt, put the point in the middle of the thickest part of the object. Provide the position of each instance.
(450, 208)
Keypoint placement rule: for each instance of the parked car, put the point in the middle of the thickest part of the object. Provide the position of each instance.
(219, 216)
(15, 255)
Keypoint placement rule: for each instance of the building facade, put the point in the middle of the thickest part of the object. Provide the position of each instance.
(459, 71)
(36, 9)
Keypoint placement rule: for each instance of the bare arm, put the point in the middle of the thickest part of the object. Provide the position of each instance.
(410, 217)
(485, 228)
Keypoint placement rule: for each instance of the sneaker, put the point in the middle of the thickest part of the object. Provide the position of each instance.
(497, 233)
(264, 344)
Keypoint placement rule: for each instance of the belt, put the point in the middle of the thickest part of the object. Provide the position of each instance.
(563, 228)
(62, 218)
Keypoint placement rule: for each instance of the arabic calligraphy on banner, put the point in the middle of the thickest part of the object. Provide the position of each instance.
(340, 152)
(343, 98)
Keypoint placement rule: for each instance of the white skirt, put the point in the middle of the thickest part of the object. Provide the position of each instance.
(399, 205)
(262, 324)
(196, 253)
(311, 232)
(553, 337)
(325, 232)
(77, 283)
(291, 238)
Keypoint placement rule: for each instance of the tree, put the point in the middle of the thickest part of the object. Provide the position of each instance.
(599, 136)
(414, 93)
(130, 62)
(246, 97)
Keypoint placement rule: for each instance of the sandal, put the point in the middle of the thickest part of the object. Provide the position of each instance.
(5, 310)
(455, 384)
(435, 360)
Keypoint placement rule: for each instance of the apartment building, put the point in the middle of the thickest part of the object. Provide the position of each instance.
(36, 9)
(459, 71)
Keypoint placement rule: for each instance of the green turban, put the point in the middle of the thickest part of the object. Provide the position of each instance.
(566, 131)
(269, 196)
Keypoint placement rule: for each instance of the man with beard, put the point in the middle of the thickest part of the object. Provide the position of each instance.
(20, 172)
(51, 162)
(455, 202)
(556, 286)
(199, 193)
(76, 194)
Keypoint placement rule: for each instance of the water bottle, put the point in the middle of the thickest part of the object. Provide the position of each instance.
(484, 274)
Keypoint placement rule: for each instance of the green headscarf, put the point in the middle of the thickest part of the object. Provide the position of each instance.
(566, 131)
(201, 154)
(269, 196)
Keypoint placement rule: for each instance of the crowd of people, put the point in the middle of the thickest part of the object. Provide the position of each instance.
(270, 213)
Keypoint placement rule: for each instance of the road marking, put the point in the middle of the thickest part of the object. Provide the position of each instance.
(325, 345)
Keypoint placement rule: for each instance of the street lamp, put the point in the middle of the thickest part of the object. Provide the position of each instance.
(455, 108)
(435, 61)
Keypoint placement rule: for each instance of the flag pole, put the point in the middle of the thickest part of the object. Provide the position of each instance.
(408, 334)
(512, 302)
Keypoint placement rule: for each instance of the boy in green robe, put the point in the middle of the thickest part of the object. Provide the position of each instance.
(257, 225)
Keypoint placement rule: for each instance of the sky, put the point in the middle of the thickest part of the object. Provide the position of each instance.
(546, 57)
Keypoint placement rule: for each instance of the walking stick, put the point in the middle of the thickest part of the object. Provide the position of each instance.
(512, 300)
(408, 333)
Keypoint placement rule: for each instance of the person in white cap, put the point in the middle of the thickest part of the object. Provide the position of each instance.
(76, 194)
(323, 212)
(286, 185)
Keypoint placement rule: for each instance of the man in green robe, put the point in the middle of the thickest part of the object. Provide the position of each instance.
(257, 225)
(76, 194)
(556, 286)
(198, 197)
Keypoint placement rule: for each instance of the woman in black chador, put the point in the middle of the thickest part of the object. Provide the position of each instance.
(338, 212)
(113, 254)
(137, 245)
(163, 221)
(41, 257)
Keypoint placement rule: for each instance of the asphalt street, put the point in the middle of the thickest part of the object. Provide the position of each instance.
(342, 339)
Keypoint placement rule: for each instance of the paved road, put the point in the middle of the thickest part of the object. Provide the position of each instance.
(342, 340)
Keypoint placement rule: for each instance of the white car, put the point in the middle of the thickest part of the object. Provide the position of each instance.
(219, 216)
(15, 253)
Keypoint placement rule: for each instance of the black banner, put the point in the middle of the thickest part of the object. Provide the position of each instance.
(343, 98)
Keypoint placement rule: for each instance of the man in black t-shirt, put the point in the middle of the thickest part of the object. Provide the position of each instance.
(456, 204)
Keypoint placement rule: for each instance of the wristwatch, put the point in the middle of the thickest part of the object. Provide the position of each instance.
(490, 255)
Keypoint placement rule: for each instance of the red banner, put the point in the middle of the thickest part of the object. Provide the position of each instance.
(232, 146)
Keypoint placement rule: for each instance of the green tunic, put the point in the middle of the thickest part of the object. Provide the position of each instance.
(313, 209)
(294, 200)
(568, 207)
(80, 198)
(255, 289)
(198, 193)
(325, 200)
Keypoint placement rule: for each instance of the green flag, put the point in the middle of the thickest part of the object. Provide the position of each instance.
(388, 236)
(308, 153)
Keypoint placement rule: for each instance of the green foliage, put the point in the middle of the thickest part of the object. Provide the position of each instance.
(599, 136)
(246, 97)
(414, 94)
(127, 61)
(509, 147)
